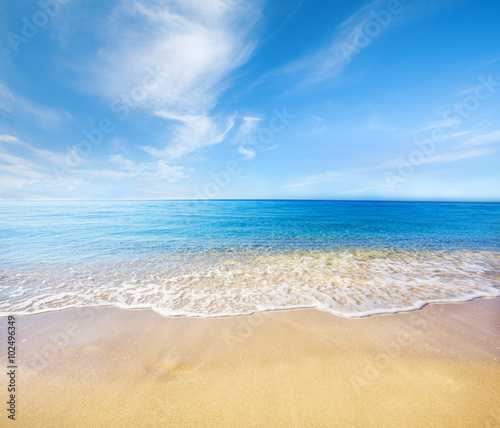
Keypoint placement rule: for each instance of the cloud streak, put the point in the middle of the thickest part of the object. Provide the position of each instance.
(485, 139)
(195, 45)
(150, 171)
(27, 171)
(332, 175)
(351, 38)
(191, 133)
(11, 104)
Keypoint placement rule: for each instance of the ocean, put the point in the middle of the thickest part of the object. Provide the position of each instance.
(220, 258)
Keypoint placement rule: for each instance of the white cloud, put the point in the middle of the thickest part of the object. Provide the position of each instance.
(480, 140)
(380, 185)
(448, 123)
(316, 178)
(317, 125)
(193, 45)
(190, 134)
(469, 90)
(8, 138)
(489, 62)
(247, 154)
(329, 176)
(151, 171)
(7, 100)
(12, 104)
(16, 161)
(248, 139)
(334, 174)
(46, 155)
(456, 156)
(349, 41)
(374, 123)
(351, 38)
(29, 172)
(25, 176)
(247, 128)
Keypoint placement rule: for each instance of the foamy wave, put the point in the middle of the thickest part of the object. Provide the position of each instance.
(347, 282)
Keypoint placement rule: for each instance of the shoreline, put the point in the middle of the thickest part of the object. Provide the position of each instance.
(297, 308)
(350, 283)
(105, 366)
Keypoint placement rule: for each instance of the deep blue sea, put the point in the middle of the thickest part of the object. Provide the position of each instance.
(211, 258)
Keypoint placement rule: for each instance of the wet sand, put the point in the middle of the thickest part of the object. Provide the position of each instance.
(108, 367)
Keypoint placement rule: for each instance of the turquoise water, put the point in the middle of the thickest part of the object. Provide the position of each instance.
(213, 258)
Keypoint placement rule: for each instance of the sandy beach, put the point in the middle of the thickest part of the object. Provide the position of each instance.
(109, 367)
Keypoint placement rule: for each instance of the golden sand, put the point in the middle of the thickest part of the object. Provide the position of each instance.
(108, 367)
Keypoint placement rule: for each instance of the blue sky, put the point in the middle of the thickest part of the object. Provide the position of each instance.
(150, 99)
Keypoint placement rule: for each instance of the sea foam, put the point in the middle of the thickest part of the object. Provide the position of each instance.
(350, 282)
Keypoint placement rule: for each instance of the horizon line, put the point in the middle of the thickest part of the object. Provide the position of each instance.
(255, 199)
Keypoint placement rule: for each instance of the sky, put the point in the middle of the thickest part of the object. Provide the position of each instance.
(237, 99)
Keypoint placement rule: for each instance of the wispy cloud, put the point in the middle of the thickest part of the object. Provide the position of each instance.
(247, 154)
(379, 185)
(28, 171)
(375, 123)
(246, 132)
(489, 62)
(249, 137)
(8, 138)
(484, 139)
(316, 178)
(351, 38)
(151, 171)
(439, 124)
(316, 125)
(335, 174)
(194, 45)
(42, 154)
(470, 90)
(191, 132)
(348, 42)
(332, 175)
(247, 128)
(457, 156)
(12, 104)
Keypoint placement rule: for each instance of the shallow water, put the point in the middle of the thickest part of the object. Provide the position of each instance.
(216, 258)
